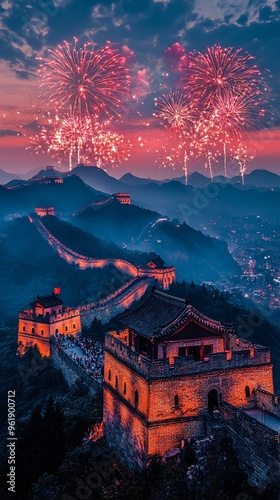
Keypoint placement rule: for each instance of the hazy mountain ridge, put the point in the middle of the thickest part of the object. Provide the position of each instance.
(195, 255)
(69, 196)
(120, 223)
(29, 266)
(91, 246)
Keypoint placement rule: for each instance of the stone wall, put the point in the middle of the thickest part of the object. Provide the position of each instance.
(257, 449)
(124, 432)
(71, 370)
(269, 400)
(166, 419)
(115, 303)
(162, 368)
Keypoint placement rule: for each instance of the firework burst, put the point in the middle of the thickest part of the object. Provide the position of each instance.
(89, 82)
(109, 147)
(175, 110)
(178, 114)
(234, 113)
(218, 70)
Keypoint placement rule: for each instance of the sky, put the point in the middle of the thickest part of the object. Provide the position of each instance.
(145, 28)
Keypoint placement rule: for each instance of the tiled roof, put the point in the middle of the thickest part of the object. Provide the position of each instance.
(161, 315)
(47, 301)
(157, 262)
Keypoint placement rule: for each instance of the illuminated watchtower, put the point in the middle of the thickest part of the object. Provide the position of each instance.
(167, 369)
(47, 316)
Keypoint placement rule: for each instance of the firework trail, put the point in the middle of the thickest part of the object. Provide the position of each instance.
(65, 137)
(178, 114)
(88, 82)
(218, 71)
(234, 113)
(241, 155)
(166, 158)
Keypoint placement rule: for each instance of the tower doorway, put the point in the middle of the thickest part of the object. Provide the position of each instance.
(213, 400)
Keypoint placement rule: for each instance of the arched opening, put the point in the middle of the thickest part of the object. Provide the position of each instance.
(247, 391)
(109, 375)
(213, 402)
(56, 330)
(116, 382)
(42, 332)
(74, 326)
(66, 328)
(32, 330)
(176, 401)
(136, 397)
(124, 387)
(23, 328)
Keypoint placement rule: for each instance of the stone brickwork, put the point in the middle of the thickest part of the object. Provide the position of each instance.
(125, 432)
(171, 404)
(164, 276)
(71, 370)
(256, 446)
(116, 302)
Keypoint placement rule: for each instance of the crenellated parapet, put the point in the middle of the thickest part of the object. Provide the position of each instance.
(165, 276)
(185, 366)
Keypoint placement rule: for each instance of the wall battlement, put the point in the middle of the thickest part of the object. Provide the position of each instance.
(162, 368)
(257, 446)
(165, 276)
(50, 318)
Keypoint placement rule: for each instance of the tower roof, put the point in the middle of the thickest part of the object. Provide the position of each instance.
(161, 315)
(46, 301)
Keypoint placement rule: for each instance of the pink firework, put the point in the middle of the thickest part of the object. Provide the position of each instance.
(70, 138)
(218, 70)
(237, 111)
(89, 82)
(166, 156)
(234, 113)
(241, 155)
(108, 147)
(177, 113)
(175, 110)
(64, 138)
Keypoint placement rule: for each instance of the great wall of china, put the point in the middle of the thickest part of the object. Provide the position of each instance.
(116, 302)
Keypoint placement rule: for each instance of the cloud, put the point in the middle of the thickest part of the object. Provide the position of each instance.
(235, 10)
(5, 133)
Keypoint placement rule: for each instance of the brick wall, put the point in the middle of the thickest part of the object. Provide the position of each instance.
(257, 449)
(125, 432)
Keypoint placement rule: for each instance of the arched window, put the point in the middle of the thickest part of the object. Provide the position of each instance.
(124, 387)
(74, 326)
(136, 397)
(247, 391)
(116, 382)
(56, 330)
(23, 328)
(176, 401)
(66, 328)
(32, 329)
(42, 332)
(109, 375)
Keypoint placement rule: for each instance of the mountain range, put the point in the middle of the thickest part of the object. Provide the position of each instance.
(102, 181)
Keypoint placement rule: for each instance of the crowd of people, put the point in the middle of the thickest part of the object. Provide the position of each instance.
(91, 359)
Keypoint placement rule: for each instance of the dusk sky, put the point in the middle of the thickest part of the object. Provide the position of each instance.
(145, 28)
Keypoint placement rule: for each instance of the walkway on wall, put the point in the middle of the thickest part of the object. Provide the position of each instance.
(114, 303)
(96, 204)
